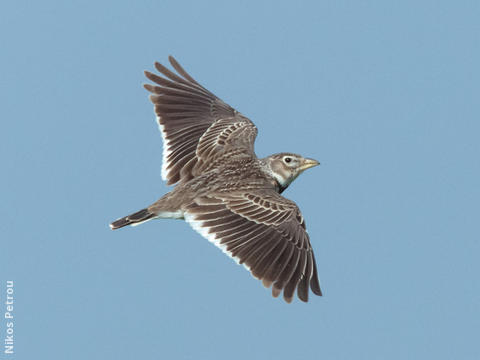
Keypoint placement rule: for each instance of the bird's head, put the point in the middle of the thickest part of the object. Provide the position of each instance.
(285, 167)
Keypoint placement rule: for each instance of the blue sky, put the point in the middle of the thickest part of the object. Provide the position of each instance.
(383, 93)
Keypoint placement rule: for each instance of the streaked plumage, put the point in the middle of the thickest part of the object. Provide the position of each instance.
(223, 190)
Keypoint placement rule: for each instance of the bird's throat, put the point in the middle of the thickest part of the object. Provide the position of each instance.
(280, 188)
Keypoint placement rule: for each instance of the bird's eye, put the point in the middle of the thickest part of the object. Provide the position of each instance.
(287, 159)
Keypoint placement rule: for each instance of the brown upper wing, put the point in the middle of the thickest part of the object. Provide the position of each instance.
(263, 231)
(197, 127)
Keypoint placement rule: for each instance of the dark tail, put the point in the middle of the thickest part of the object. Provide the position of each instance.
(133, 219)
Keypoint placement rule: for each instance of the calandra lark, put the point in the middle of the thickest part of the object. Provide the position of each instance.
(223, 190)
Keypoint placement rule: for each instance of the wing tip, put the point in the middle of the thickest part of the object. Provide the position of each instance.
(316, 289)
(151, 88)
(276, 291)
(161, 68)
(149, 75)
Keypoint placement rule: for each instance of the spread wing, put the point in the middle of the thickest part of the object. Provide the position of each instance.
(197, 127)
(263, 231)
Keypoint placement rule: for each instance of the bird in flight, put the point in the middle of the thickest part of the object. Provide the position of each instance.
(223, 190)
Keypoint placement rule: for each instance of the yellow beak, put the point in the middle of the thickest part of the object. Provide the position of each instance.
(308, 163)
